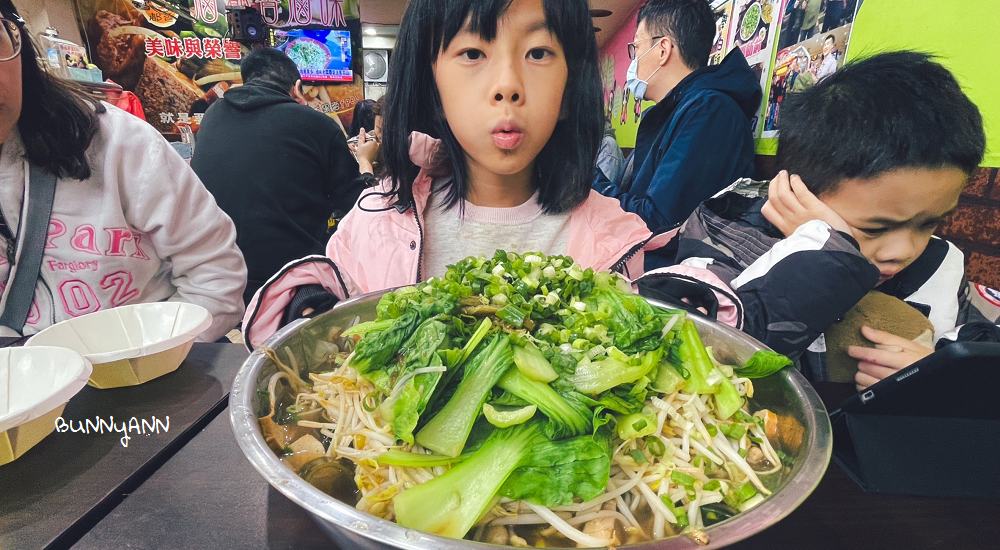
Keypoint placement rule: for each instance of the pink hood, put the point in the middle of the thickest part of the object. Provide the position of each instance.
(378, 246)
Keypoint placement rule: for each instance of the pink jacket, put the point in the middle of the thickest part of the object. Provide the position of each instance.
(378, 246)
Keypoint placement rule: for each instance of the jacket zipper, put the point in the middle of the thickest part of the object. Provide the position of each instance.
(420, 235)
(619, 266)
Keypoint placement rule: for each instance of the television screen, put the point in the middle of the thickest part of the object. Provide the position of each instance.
(321, 55)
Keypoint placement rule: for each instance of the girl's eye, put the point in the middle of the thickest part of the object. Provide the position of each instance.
(931, 225)
(539, 54)
(472, 55)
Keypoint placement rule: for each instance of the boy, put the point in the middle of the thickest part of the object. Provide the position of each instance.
(878, 155)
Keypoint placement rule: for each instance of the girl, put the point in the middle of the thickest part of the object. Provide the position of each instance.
(493, 120)
(129, 221)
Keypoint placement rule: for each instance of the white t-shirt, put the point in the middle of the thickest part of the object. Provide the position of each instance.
(142, 228)
(449, 237)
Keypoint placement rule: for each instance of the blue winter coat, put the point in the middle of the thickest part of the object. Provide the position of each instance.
(691, 145)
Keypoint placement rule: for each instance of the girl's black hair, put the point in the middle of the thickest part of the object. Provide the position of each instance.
(364, 117)
(58, 120)
(564, 169)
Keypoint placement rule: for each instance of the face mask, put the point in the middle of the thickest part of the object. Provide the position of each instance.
(632, 80)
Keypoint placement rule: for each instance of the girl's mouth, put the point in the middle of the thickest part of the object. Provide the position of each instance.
(507, 135)
(507, 140)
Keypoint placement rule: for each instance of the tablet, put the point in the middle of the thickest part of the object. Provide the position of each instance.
(961, 380)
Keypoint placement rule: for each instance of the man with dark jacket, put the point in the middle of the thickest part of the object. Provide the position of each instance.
(697, 139)
(278, 168)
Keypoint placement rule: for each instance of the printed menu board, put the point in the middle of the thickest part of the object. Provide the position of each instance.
(176, 57)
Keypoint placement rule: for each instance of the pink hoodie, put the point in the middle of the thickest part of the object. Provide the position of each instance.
(378, 246)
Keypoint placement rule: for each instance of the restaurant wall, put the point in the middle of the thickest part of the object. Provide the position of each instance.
(619, 105)
(962, 35)
(58, 13)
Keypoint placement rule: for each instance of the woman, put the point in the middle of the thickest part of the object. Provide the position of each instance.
(364, 117)
(129, 221)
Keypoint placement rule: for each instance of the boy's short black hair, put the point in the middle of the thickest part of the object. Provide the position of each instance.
(270, 66)
(887, 112)
(564, 169)
(690, 23)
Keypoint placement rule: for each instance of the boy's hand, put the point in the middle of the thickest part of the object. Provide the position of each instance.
(893, 354)
(790, 204)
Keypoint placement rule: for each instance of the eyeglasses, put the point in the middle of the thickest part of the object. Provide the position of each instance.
(10, 39)
(631, 45)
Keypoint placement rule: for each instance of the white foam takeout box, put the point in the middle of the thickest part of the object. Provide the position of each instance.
(35, 385)
(130, 345)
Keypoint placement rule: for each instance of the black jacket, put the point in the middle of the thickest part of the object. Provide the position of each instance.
(280, 170)
(793, 289)
(695, 142)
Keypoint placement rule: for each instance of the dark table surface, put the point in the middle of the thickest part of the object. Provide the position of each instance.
(64, 485)
(209, 496)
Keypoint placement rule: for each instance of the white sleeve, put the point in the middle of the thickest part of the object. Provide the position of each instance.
(811, 235)
(167, 201)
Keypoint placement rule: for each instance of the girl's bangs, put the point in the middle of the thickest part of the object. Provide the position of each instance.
(482, 17)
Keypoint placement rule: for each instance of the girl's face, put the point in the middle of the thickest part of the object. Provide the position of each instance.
(502, 99)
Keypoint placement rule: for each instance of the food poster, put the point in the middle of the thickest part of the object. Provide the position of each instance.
(174, 56)
(799, 64)
(328, 53)
(754, 30)
(723, 17)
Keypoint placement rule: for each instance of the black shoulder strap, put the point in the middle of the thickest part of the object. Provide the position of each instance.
(41, 191)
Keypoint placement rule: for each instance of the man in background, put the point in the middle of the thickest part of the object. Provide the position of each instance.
(279, 169)
(697, 139)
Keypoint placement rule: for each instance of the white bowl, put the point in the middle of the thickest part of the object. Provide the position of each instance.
(130, 345)
(35, 385)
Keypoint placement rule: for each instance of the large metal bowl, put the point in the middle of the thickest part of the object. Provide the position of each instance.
(787, 393)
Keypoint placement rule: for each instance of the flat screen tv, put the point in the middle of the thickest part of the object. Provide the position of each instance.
(321, 55)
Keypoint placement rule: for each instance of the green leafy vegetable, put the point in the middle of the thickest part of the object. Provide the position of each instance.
(447, 431)
(505, 418)
(557, 471)
(395, 457)
(599, 376)
(450, 504)
(532, 363)
(763, 363)
(413, 389)
(570, 416)
(704, 377)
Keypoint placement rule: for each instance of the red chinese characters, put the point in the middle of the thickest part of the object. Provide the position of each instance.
(192, 47)
(212, 48)
(173, 47)
(155, 47)
(205, 10)
(231, 49)
(333, 14)
(301, 11)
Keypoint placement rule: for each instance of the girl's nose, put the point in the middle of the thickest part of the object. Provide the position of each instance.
(508, 84)
(515, 97)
